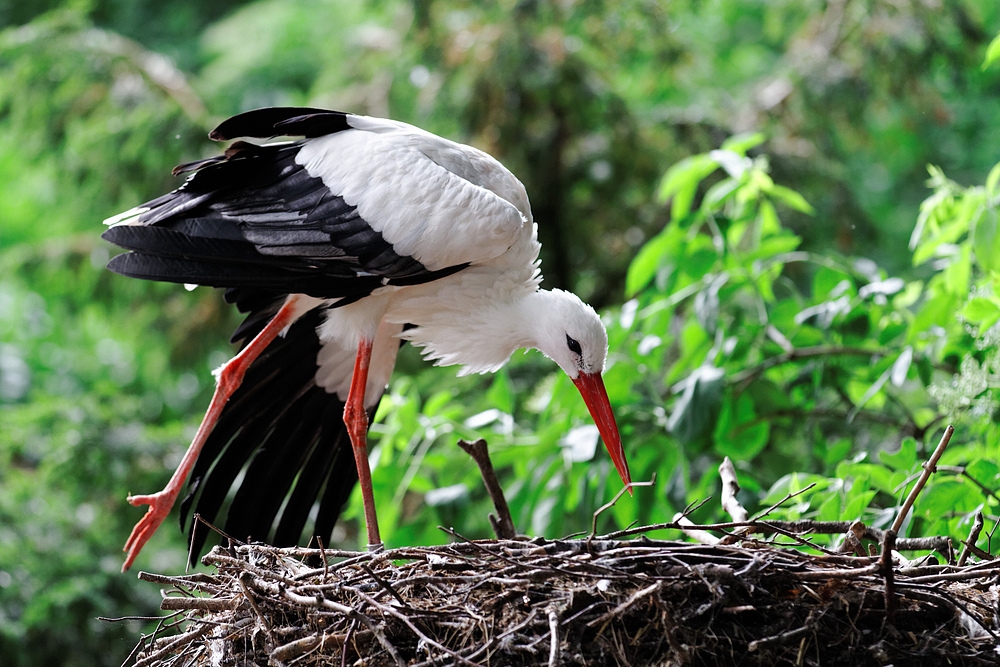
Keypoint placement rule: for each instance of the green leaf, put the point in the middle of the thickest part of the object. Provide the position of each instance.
(695, 411)
(857, 503)
(719, 193)
(500, 393)
(980, 310)
(992, 180)
(791, 199)
(992, 52)
(905, 458)
(651, 257)
(681, 182)
(741, 143)
(986, 239)
(946, 496)
(985, 472)
(867, 475)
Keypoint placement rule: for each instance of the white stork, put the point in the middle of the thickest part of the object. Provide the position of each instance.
(362, 233)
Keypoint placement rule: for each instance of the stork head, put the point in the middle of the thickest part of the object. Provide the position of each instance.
(569, 332)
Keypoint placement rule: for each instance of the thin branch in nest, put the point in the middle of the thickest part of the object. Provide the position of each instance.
(784, 636)
(852, 539)
(320, 601)
(970, 541)
(885, 565)
(503, 524)
(169, 648)
(385, 586)
(731, 487)
(608, 505)
(626, 605)
(554, 649)
(261, 618)
(699, 536)
(929, 467)
(784, 500)
(196, 519)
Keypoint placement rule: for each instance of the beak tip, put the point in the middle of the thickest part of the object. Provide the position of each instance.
(594, 394)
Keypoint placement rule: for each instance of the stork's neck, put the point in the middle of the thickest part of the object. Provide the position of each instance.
(483, 339)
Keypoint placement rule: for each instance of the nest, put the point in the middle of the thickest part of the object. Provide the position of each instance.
(596, 602)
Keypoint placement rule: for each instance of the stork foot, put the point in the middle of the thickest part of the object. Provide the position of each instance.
(159, 507)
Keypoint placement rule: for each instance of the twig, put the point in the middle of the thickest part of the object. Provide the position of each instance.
(961, 471)
(608, 505)
(169, 648)
(261, 618)
(700, 536)
(554, 649)
(201, 604)
(503, 524)
(885, 565)
(198, 518)
(783, 501)
(322, 555)
(784, 636)
(350, 612)
(300, 647)
(929, 467)
(624, 606)
(852, 539)
(347, 641)
(730, 487)
(385, 586)
(970, 542)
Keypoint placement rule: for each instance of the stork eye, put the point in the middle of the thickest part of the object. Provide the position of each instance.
(573, 345)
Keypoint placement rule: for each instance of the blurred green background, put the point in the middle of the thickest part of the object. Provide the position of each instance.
(704, 277)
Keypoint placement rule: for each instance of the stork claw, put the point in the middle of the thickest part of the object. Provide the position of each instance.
(159, 507)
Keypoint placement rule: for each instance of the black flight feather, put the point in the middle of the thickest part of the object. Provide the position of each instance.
(274, 121)
(257, 218)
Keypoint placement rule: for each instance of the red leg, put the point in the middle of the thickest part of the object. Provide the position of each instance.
(356, 419)
(229, 378)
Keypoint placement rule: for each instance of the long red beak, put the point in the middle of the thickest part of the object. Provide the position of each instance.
(591, 387)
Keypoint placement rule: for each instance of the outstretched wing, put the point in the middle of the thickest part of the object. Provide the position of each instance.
(338, 214)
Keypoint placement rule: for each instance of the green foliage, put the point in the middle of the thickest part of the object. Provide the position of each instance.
(770, 346)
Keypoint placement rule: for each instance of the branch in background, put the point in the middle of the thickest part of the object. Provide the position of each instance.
(803, 353)
(962, 472)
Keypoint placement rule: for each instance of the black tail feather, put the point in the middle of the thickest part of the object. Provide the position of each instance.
(279, 447)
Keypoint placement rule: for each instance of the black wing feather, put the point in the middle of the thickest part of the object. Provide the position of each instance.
(257, 218)
(274, 121)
